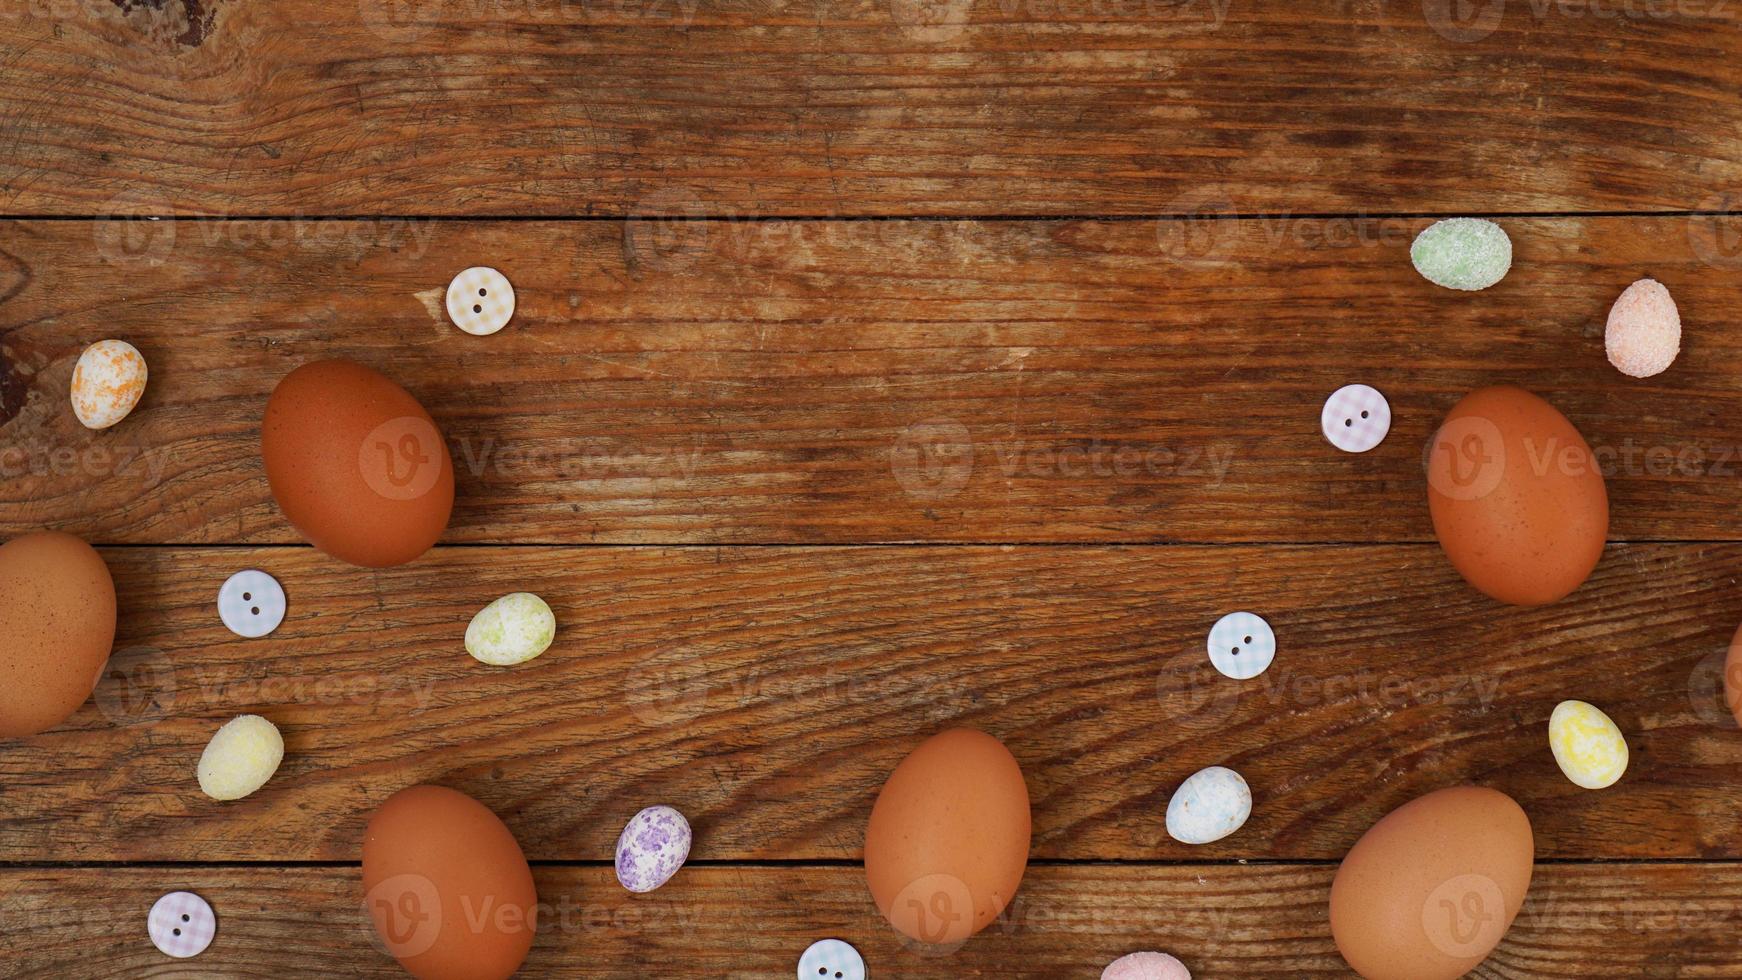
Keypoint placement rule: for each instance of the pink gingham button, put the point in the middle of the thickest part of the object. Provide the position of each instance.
(1355, 418)
(480, 301)
(181, 924)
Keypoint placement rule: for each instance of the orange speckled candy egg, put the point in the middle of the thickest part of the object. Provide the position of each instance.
(356, 464)
(57, 624)
(1430, 890)
(108, 381)
(447, 886)
(947, 842)
(1518, 502)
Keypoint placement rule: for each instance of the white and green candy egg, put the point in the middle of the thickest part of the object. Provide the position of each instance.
(512, 630)
(1462, 253)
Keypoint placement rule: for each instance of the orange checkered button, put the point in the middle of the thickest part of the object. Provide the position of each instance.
(480, 301)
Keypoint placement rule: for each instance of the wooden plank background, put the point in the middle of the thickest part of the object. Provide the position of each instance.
(879, 365)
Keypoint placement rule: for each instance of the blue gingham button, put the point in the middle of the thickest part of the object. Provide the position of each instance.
(831, 959)
(251, 603)
(1242, 645)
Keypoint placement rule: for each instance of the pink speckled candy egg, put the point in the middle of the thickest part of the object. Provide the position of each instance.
(1146, 966)
(1645, 330)
(107, 383)
(652, 847)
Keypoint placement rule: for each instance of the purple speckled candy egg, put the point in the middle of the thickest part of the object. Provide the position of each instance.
(653, 846)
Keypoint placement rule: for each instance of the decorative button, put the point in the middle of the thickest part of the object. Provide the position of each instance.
(181, 924)
(480, 301)
(1355, 418)
(831, 959)
(251, 603)
(1242, 645)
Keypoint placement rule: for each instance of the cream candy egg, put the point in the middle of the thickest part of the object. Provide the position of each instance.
(1211, 804)
(652, 847)
(107, 383)
(1644, 332)
(512, 630)
(240, 758)
(1146, 966)
(1587, 745)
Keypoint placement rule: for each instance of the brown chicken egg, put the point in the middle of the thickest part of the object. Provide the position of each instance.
(1432, 887)
(447, 886)
(57, 625)
(948, 838)
(1518, 502)
(1733, 677)
(356, 464)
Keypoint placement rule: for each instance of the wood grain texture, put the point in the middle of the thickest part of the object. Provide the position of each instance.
(768, 693)
(1225, 921)
(862, 381)
(845, 107)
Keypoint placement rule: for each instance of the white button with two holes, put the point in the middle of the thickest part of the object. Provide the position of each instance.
(1241, 645)
(251, 603)
(831, 959)
(480, 301)
(1355, 418)
(181, 924)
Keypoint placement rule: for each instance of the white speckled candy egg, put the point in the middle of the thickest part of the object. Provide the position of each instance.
(1211, 804)
(107, 383)
(511, 630)
(1462, 253)
(1586, 744)
(652, 847)
(240, 758)
(1644, 331)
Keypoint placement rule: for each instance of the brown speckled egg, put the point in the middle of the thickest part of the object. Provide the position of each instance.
(447, 887)
(57, 624)
(1517, 499)
(947, 842)
(356, 464)
(1430, 890)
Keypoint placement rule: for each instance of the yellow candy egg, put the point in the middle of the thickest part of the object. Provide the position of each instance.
(240, 758)
(1586, 744)
(107, 383)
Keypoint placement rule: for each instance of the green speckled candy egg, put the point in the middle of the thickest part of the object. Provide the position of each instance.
(511, 630)
(1462, 253)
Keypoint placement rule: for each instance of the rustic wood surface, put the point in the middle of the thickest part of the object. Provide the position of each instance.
(845, 107)
(806, 480)
(802, 382)
(739, 923)
(768, 692)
